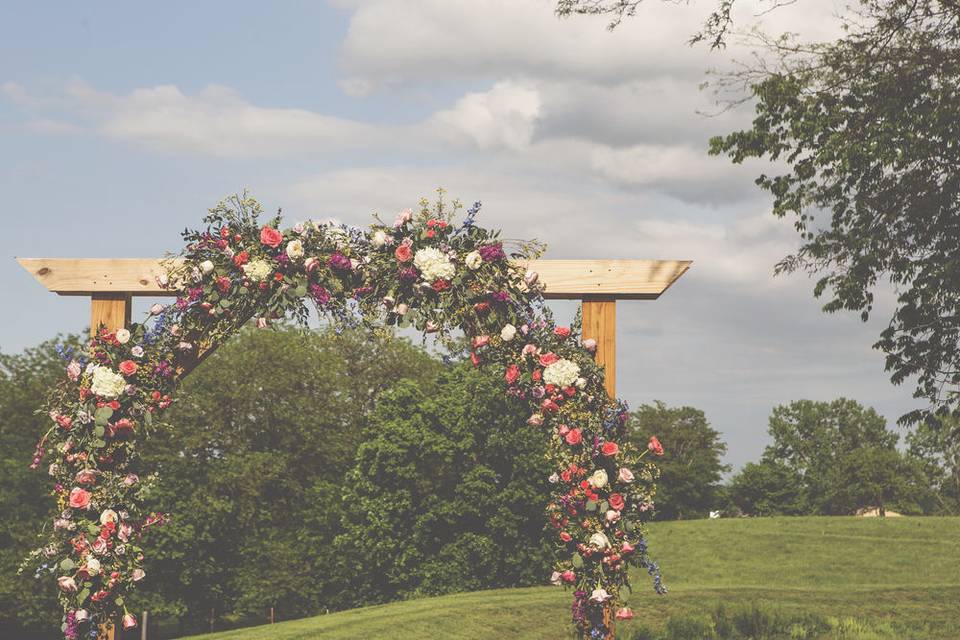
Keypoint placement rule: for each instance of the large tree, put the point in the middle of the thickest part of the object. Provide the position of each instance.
(862, 137)
(935, 443)
(692, 463)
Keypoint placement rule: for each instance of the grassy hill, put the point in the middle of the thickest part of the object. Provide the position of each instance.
(899, 575)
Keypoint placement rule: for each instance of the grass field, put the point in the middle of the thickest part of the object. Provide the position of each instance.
(902, 574)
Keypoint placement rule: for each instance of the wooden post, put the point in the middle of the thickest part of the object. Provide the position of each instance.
(143, 626)
(600, 323)
(110, 310)
(271, 615)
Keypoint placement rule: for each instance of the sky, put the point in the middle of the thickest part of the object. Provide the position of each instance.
(121, 124)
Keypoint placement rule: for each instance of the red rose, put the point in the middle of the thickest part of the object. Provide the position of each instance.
(224, 232)
(655, 446)
(568, 576)
(480, 341)
(566, 537)
(481, 307)
(474, 358)
(569, 391)
(616, 501)
(241, 259)
(271, 237)
(610, 449)
(403, 253)
(128, 367)
(563, 332)
(573, 437)
(122, 424)
(223, 283)
(548, 358)
(440, 285)
(512, 374)
(79, 498)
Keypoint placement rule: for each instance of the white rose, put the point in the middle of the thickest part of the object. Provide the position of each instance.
(257, 270)
(123, 336)
(138, 575)
(93, 565)
(295, 249)
(508, 332)
(600, 540)
(106, 383)
(109, 515)
(379, 238)
(473, 260)
(433, 264)
(561, 373)
(81, 615)
(599, 478)
(206, 266)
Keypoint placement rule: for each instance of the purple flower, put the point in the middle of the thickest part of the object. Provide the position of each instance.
(163, 369)
(500, 296)
(340, 261)
(408, 274)
(320, 295)
(492, 252)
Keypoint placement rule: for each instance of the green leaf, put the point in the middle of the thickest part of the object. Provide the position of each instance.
(83, 595)
(591, 505)
(99, 430)
(604, 506)
(99, 444)
(577, 561)
(67, 564)
(102, 415)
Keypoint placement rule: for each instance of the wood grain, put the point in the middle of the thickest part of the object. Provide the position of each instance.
(562, 279)
(600, 323)
(110, 310)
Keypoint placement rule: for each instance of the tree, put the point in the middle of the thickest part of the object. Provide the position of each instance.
(767, 488)
(27, 610)
(865, 128)
(874, 476)
(691, 466)
(447, 494)
(935, 445)
(262, 436)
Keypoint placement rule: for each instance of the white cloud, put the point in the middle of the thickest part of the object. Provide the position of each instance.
(503, 117)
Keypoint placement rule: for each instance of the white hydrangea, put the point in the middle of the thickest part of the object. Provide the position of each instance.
(561, 373)
(433, 264)
(257, 270)
(107, 383)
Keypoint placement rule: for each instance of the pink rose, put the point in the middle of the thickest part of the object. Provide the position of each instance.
(590, 344)
(67, 584)
(617, 502)
(480, 341)
(627, 548)
(574, 437)
(625, 475)
(609, 449)
(403, 253)
(73, 370)
(129, 621)
(624, 614)
(568, 576)
(612, 515)
(528, 350)
(311, 263)
(128, 367)
(130, 479)
(566, 537)
(562, 332)
(512, 374)
(403, 218)
(270, 237)
(655, 447)
(138, 575)
(79, 498)
(548, 358)
(563, 430)
(535, 420)
(549, 406)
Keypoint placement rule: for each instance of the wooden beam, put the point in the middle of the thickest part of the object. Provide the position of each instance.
(599, 316)
(110, 310)
(562, 279)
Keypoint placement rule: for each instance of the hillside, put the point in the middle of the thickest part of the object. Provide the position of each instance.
(902, 572)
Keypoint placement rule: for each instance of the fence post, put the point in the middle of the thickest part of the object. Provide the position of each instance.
(143, 626)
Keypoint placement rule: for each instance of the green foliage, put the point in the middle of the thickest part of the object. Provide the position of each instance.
(691, 467)
(447, 494)
(767, 488)
(24, 381)
(863, 126)
(935, 445)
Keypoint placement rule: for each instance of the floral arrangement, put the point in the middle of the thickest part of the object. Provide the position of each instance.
(422, 270)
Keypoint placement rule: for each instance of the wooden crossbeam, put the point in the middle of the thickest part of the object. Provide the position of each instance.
(562, 279)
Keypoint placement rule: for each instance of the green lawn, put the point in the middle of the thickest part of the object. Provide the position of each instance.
(904, 572)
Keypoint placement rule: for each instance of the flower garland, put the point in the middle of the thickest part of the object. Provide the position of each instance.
(420, 270)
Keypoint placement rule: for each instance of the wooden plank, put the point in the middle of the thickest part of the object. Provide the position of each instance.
(110, 310)
(563, 279)
(600, 323)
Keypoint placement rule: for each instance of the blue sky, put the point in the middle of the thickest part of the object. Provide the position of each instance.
(121, 124)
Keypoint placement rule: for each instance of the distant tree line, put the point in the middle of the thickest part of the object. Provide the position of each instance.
(292, 455)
